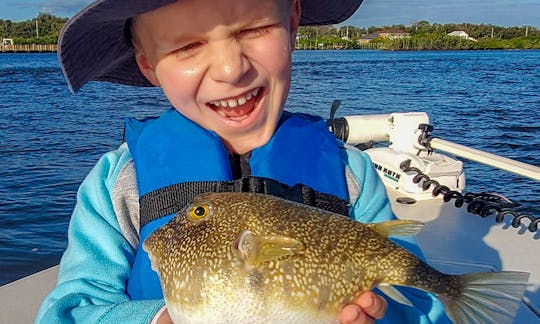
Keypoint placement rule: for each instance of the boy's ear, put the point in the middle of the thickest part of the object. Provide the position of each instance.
(295, 21)
(146, 69)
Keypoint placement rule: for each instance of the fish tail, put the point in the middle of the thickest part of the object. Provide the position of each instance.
(487, 297)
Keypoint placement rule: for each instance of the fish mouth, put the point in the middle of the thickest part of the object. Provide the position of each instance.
(239, 107)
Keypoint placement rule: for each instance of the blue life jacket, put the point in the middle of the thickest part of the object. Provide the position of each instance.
(173, 150)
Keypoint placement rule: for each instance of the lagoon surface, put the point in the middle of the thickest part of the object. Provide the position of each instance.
(50, 139)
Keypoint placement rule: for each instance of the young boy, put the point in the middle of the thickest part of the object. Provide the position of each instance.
(225, 67)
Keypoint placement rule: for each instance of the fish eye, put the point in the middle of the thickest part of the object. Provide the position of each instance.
(199, 212)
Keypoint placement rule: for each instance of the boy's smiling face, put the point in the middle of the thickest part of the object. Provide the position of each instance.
(226, 65)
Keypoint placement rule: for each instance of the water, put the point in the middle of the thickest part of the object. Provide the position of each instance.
(50, 139)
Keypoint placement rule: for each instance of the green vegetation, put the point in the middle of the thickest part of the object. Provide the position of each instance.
(325, 37)
(444, 42)
(41, 30)
(421, 36)
(45, 28)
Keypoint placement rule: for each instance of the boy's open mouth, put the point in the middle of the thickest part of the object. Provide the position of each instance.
(236, 108)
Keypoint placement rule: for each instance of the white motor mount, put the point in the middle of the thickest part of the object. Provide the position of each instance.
(403, 132)
(438, 167)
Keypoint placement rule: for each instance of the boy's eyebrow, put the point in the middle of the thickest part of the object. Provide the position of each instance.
(254, 22)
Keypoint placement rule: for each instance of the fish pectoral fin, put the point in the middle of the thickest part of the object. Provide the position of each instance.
(395, 294)
(257, 249)
(400, 227)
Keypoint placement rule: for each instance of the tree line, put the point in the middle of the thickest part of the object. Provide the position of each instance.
(445, 42)
(45, 28)
(422, 36)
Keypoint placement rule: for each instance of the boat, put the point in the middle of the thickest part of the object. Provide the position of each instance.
(463, 232)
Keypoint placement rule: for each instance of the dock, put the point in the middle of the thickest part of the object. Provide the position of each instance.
(28, 48)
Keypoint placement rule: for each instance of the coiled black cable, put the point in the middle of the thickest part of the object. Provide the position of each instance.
(483, 204)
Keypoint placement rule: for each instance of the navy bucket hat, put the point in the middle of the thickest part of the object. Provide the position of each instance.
(94, 45)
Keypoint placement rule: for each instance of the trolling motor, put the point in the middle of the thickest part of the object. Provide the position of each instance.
(410, 138)
(411, 166)
(403, 132)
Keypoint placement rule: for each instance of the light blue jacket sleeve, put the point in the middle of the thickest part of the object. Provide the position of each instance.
(372, 205)
(95, 267)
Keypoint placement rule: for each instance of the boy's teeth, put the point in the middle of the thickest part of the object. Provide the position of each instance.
(231, 103)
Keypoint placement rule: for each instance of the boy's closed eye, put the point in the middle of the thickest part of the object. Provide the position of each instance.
(188, 49)
(256, 31)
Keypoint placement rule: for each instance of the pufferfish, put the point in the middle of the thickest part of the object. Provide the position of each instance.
(254, 258)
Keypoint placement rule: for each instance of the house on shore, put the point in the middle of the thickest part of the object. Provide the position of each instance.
(462, 34)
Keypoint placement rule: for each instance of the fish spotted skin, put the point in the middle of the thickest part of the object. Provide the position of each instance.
(253, 258)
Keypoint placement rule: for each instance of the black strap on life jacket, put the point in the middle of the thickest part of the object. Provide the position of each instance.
(172, 199)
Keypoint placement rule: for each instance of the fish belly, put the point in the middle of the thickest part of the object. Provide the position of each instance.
(246, 309)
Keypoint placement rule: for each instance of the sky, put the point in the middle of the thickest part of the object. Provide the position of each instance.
(371, 12)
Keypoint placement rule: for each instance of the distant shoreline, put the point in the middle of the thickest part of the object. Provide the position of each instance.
(29, 48)
(35, 49)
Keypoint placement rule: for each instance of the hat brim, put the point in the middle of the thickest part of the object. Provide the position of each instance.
(93, 46)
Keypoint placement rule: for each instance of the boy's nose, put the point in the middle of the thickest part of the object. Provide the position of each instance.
(229, 63)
